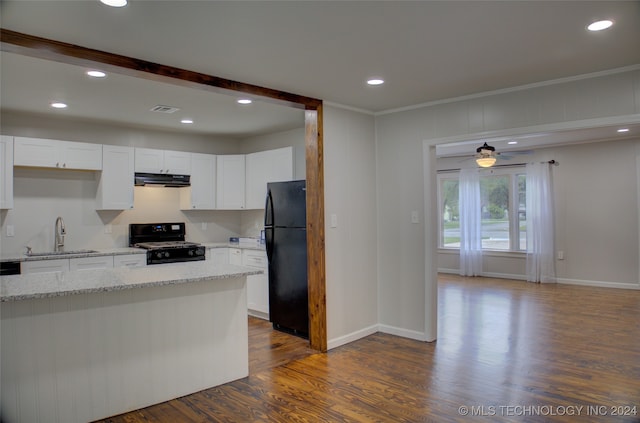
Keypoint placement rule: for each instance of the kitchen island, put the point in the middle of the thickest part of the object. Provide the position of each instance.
(84, 345)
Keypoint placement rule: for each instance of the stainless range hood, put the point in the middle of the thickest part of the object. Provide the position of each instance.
(162, 179)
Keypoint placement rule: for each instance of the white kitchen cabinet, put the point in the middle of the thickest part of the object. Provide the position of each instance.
(257, 285)
(202, 193)
(264, 167)
(218, 256)
(230, 178)
(40, 152)
(6, 172)
(44, 266)
(235, 256)
(148, 160)
(91, 263)
(115, 187)
(130, 260)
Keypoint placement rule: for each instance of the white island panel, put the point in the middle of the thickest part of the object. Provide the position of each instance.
(86, 356)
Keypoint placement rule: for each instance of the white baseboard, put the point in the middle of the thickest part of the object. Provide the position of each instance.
(488, 274)
(405, 333)
(601, 284)
(566, 281)
(353, 336)
(505, 276)
(258, 314)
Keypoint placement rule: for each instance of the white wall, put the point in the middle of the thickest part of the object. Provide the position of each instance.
(402, 135)
(349, 180)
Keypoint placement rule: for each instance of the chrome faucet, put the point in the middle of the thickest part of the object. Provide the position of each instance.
(59, 232)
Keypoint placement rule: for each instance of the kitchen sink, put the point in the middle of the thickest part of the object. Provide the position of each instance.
(61, 253)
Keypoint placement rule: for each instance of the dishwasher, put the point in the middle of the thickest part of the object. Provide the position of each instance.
(9, 268)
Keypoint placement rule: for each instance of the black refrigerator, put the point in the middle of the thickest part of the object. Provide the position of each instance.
(285, 225)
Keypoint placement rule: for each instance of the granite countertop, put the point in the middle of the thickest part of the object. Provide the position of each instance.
(234, 245)
(44, 285)
(96, 253)
(117, 251)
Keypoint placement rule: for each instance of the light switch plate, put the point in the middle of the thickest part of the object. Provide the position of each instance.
(11, 230)
(108, 229)
(334, 220)
(414, 217)
(203, 225)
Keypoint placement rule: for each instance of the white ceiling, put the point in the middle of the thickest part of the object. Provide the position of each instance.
(425, 50)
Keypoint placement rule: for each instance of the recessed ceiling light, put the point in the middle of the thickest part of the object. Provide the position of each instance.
(96, 74)
(600, 25)
(186, 121)
(58, 105)
(512, 142)
(375, 81)
(621, 130)
(114, 3)
(245, 101)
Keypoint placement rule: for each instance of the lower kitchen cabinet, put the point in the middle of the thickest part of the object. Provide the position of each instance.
(83, 263)
(91, 263)
(44, 266)
(235, 256)
(218, 255)
(257, 285)
(130, 260)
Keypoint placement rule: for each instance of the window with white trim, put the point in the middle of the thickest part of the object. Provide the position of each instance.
(504, 217)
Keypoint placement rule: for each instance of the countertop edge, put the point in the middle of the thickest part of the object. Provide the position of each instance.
(109, 280)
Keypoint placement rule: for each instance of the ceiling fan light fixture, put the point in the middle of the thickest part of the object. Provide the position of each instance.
(486, 161)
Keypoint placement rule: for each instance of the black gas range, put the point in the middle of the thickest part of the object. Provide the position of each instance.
(165, 242)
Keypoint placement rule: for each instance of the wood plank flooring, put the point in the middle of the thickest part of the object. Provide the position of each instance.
(507, 351)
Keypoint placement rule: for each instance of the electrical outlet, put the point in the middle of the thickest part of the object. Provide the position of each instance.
(108, 229)
(203, 225)
(414, 217)
(560, 255)
(11, 230)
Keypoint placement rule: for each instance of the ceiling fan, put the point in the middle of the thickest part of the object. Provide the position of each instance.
(486, 155)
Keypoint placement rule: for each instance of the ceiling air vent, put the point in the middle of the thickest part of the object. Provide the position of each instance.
(164, 109)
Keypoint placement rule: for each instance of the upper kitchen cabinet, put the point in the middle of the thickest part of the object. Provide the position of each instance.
(6, 172)
(162, 161)
(115, 187)
(263, 167)
(39, 152)
(230, 179)
(202, 193)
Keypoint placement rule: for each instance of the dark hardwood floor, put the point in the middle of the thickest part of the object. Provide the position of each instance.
(506, 351)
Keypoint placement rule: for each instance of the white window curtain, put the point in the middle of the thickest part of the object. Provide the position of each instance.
(540, 224)
(470, 212)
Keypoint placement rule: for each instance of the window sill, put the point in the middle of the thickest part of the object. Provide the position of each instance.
(487, 253)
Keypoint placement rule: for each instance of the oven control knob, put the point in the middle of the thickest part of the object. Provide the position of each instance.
(166, 254)
(159, 254)
(190, 252)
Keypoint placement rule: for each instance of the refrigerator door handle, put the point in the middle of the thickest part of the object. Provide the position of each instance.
(268, 210)
(268, 225)
(268, 235)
